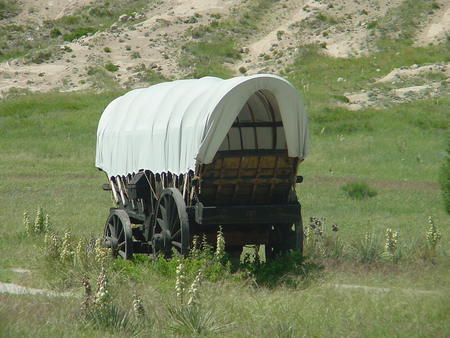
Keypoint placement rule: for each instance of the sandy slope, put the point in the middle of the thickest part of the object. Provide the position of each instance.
(154, 42)
(39, 11)
(340, 26)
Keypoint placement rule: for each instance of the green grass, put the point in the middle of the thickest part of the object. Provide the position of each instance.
(48, 143)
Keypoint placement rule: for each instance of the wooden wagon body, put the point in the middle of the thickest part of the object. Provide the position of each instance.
(246, 187)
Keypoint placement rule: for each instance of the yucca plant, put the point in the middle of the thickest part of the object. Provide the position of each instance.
(368, 249)
(192, 316)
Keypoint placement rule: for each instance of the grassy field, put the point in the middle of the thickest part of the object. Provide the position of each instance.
(47, 148)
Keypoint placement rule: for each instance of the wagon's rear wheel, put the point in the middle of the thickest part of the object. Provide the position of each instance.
(171, 224)
(117, 234)
(283, 238)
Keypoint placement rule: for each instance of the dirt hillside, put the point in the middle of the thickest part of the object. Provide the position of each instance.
(151, 41)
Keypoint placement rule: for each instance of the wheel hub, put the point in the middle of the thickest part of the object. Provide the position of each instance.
(162, 241)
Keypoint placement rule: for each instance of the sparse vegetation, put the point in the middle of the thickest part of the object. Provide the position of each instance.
(82, 22)
(8, 8)
(217, 42)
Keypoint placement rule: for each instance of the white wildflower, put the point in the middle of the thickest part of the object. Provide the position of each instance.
(391, 242)
(66, 248)
(138, 307)
(194, 289)
(433, 235)
(101, 253)
(39, 221)
(102, 296)
(220, 246)
(180, 282)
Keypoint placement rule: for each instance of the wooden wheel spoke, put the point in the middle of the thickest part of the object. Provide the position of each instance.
(176, 234)
(163, 212)
(121, 244)
(174, 219)
(122, 254)
(177, 244)
(112, 230)
(162, 224)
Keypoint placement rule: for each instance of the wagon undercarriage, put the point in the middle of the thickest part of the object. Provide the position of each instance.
(159, 213)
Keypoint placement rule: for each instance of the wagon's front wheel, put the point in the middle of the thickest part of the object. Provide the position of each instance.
(117, 234)
(171, 224)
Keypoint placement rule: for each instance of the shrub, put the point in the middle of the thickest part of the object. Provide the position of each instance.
(341, 98)
(372, 25)
(359, 190)
(242, 70)
(107, 50)
(78, 32)
(111, 67)
(135, 55)
(55, 32)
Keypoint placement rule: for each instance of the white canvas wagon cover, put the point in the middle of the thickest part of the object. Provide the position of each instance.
(169, 126)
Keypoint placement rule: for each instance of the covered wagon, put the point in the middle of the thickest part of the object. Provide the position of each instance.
(184, 158)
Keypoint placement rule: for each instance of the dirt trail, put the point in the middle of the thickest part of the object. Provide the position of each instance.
(438, 29)
(378, 289)
(16, 289)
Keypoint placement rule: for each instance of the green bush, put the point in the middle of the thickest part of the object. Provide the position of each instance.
(111, 67)
(55, 32)
(359, 190)
(78, 32)
(242, 70)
